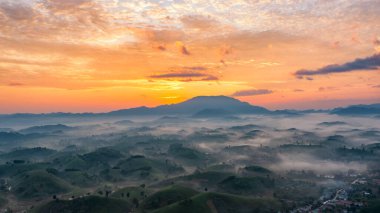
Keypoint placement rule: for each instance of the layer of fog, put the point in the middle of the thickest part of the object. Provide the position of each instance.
(195, 133)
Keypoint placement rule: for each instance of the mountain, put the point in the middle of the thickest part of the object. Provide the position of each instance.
(47, 129)
(195, 105)
(370, 109)
(201, 106)
(29, 153)
(15, 136)
(210, 113)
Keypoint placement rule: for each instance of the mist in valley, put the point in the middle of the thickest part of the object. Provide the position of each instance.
(314, 153)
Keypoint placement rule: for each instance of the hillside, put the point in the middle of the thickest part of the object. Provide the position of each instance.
(215, 202)
(93, 204)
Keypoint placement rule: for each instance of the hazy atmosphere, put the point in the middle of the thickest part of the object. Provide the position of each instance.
(207, 106)
(103, 55)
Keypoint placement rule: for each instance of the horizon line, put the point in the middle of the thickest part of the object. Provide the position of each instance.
(151, 107)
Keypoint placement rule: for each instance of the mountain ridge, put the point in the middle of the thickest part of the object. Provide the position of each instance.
(199, 103)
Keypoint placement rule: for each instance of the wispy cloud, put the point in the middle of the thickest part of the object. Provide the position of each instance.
(186, 76)
(179, 75)
(252, 92)
(298, 90)
(184, 51)
(376, 44)
(15, 84)
(16, 11)
(369, 63)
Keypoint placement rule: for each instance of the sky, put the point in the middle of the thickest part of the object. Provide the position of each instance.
(102, 55)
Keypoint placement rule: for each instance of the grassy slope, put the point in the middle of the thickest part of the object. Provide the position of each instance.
(215, 202)
(39, 184)
(168, 196)
(134, 192)
(93, 204)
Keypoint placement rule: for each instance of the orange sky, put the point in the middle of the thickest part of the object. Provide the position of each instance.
(101, 55)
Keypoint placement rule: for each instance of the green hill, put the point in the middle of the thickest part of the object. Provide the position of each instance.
(141, 167)
(257, 169)
(179, 151)
(104, 154)
(373, 206)
(221, 203)
(246, 185)
(208, 177)
(168, 196)
(37, 153)
(130, 193)
(36, 184)
(12, 169)
(70, 162)
(221, 168)
(93, 204)
(3, 201)
(78, 178)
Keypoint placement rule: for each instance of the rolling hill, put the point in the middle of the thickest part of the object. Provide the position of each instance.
(216, 202)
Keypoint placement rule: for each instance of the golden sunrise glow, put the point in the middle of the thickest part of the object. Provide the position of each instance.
(101, 55)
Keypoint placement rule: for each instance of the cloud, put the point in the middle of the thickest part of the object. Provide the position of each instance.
(71, 20)
(195, 68)
(16, 11)
(184, 50)
(15, 84)
(210, 78)
(60, 6)
(252, 92)
(322, 89)
(376, 86)
(298, 90)
(199, 22)
(369, 63)
(225, 50)
(162, 48)
(376, 43)
(178, 75)
(187, 74)
(161, 36)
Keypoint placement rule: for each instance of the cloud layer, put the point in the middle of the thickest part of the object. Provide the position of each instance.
(365, 64)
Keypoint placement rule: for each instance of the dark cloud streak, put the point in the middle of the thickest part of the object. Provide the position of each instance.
(368, 63)
(186, 76)
(252, 92)
(179, 75)
(184, 51)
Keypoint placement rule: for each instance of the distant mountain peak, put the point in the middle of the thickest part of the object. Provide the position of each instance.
(213, 101)
(197, 104)
(216, 97)
(213, 98)
(211, 113)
